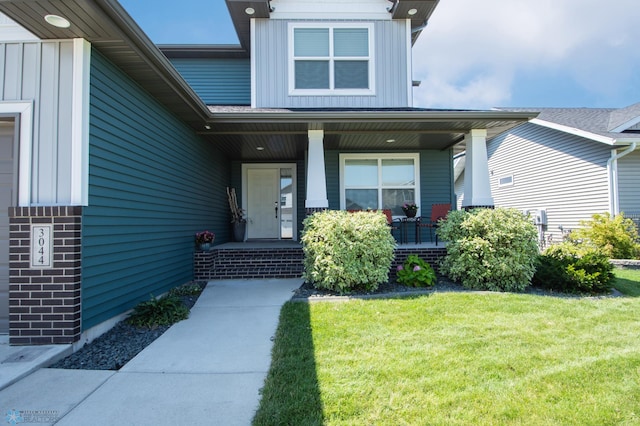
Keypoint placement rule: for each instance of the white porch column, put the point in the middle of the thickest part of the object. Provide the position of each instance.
(316, 177)
(477, 188)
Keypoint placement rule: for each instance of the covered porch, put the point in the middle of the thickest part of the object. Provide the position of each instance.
(288, 163)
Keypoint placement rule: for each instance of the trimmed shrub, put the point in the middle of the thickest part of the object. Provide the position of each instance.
(489, 249)
(347, 251)
(571, 268)
(617, 237)
(158, 311)
(415, 272)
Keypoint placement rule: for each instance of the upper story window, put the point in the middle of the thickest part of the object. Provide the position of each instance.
(333, 59)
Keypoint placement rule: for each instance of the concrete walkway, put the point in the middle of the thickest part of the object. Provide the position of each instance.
(206, 370)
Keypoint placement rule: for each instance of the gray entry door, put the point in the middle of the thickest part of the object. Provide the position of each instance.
(7, 156)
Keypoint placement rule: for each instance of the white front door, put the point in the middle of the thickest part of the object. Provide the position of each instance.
(263, 206)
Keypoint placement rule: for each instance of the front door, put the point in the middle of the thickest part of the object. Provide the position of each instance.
(270, 200)
(7, 157)
(263, 207)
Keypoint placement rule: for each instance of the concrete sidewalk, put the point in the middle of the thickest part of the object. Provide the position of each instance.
(206, 370)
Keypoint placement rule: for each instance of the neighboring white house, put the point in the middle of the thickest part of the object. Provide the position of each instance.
(568, 162)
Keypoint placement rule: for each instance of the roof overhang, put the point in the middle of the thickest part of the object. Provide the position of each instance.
(242, 20)
(110, 29)
(419, 11)
(270, 134)
(612, 139)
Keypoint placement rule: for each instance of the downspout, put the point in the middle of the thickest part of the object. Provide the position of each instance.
(612, 169)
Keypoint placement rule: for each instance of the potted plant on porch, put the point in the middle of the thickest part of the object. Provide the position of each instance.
(238, 221)
(204, 240)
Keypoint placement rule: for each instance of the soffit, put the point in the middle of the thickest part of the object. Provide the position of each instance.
(283, 134)
(108, 27)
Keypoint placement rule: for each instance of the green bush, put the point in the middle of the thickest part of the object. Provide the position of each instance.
(347, 251)
(158, 311)
(572, 268)
(186, 290)
(489, 249)
(415, 272)
(617, 237)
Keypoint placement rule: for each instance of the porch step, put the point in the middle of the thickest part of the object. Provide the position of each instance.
(257, 263)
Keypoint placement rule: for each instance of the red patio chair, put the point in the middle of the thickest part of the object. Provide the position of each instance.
(438, 212)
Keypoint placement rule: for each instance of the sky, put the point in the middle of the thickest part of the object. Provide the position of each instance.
(478, 54)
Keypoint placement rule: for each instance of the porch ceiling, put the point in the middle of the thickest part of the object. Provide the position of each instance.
(240, 132)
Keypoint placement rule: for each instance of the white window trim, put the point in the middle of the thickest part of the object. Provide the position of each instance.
(331, 92)
(502, 185)
(378, 156)
(25, 110)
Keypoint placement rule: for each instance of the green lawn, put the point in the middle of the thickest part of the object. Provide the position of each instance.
(628, 281)
(457, 359)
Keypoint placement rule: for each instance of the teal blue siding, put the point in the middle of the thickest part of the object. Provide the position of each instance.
(153, 183)
(436, 180)
(302, 193)
(217, 81)
(332, 170)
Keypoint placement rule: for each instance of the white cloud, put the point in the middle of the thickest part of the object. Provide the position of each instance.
(472, 52)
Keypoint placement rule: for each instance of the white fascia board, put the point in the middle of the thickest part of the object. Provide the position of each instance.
(80, 123)
(330, 9)
(626, 125)
(574, 131)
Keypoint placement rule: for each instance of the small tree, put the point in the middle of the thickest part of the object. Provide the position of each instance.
(489, 249)
(347, 251)
(617, 237)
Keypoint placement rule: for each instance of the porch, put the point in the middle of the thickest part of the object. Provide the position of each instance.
(263, 259)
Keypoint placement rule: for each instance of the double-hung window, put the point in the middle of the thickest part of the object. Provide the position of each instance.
(331, 59)
(379, 181)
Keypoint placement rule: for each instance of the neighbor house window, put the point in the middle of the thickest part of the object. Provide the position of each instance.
(505, 180)
(334, 59)
(379, 181)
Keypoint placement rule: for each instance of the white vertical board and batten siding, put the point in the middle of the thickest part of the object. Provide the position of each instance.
(271, 75)
(566, 174)
(42, 73)
(629, 182)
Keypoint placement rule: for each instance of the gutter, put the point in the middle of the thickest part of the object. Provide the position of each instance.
(338, 116)
(612, 171)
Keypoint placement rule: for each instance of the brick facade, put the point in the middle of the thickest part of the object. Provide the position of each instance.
(246, 263)
(45, 303)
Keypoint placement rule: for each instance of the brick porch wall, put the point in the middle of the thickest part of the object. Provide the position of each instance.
(45, 303)
(282, 263)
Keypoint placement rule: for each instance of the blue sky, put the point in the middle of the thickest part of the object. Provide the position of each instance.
(478, 54)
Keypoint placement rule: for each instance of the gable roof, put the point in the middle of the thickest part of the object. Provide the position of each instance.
(606, 125)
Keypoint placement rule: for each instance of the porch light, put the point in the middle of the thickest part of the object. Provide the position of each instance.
(260, 148)
(390, 140)
(57, 21)
(206, 126)
(249, 11)
(412, 12)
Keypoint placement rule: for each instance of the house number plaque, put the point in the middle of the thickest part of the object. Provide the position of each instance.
(41, 252)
